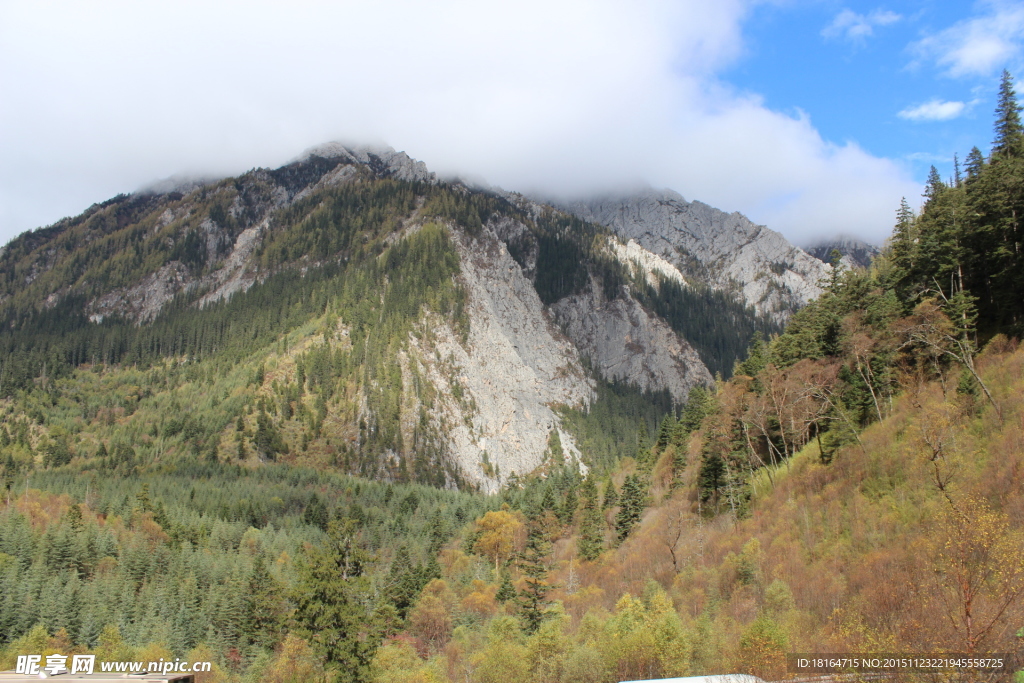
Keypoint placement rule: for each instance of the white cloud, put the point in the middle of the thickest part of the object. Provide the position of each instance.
(933, 110)
(979, 45)
(566, 97)
(854, 27)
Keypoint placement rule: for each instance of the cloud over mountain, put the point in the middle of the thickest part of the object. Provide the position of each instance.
(568, 97)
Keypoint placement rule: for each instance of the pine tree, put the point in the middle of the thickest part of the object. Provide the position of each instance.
(334, 604)
(506, 591)
(611, 496)
(1009, 130)
(533, 598)
(591, 540)
(631, 506)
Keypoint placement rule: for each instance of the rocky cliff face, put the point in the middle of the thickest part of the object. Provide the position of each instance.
(625, 342)
(498, 389)
(725, 250)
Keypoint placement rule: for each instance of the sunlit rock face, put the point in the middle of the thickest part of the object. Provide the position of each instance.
(724, 250)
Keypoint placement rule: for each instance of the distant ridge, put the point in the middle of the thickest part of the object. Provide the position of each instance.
(856, 253)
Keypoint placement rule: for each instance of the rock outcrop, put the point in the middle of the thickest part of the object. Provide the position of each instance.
(624, 342)
(725, 250)
(497, 389)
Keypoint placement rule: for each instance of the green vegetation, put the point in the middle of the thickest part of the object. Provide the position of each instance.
(174, 488)
(968, 237)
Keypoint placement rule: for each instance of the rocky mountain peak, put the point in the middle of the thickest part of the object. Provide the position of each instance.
(383, 160)
(856, 252)
(725, 250)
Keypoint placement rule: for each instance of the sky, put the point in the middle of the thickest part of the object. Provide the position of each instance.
(813, 117)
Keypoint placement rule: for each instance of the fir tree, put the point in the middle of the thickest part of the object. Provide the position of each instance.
(591, 540)
(533, 598)
(316, 513)
(934, 186)
(698, 405)
(1008, 127)
(334, 606)
(974, 164)
(631, 506)
(262, 607)
(506, 592)
(611, 496)
(665, 432)
(904, 237)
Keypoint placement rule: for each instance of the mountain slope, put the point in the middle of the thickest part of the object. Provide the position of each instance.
(725, 251)
(446, 325)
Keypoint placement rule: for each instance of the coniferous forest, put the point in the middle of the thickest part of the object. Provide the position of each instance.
(195, 484)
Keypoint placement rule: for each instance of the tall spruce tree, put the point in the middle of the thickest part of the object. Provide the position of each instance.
(611, 496)
(974, 163)
(631, 506)
(1008, 128)
(533, 597)
(334, 604)
(591, 539)
(263, 607)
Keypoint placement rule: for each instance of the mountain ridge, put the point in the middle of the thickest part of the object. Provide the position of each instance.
(560, 296)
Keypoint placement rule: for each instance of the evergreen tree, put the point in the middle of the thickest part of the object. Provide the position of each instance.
(591, 540)
(506, 591)
(974, 164)
(567, 509)
(934, 186)
(438, 532)
(316, 513)
(665, 432)
(631, 506)
(334, 605)
(404, 582)
(262, 607)
(611, 496)
(1008, 129)
(532, 563)
(698, 405)
(904, 238)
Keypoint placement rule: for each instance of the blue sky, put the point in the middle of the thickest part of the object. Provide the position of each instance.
(810, 116)
(854, 67)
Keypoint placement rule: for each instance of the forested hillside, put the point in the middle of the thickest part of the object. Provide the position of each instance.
(205, 482)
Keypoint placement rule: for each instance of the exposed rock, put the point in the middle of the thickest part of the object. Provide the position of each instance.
(237, 274)
(650, 265)
(384, 161)
(143, 301)
(625, 342)
(514, 367)
(726, 250)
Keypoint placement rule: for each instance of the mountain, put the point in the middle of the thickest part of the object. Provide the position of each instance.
(856, 253)
(262, 422)
(450, 328)
(723, 250)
